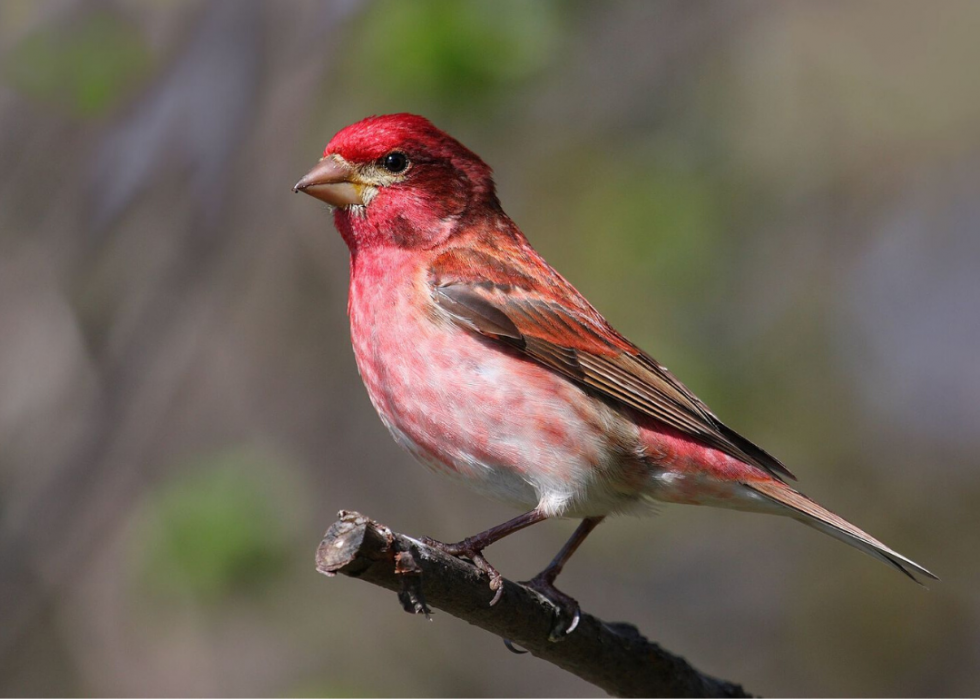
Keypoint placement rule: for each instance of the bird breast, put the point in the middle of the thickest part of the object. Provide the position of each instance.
(480, 412)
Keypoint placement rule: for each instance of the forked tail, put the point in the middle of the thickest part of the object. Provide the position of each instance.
(809, 512)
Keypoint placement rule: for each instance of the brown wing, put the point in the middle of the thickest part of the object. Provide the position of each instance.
(572, 338)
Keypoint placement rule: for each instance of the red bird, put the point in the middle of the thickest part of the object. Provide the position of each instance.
(491, 368)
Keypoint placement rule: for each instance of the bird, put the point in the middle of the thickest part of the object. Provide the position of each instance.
(490, 368)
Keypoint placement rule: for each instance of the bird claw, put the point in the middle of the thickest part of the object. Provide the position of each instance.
(513, 648)
(567, 611)
(464, 549)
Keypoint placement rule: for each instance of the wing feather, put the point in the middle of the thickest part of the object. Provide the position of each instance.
(573, 339)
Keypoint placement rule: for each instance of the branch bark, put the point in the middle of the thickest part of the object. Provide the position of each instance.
(612, 656)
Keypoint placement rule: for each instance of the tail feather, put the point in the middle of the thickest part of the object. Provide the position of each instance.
(822, 519)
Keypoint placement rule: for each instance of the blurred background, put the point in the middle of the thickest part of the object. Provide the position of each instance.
(778, 200)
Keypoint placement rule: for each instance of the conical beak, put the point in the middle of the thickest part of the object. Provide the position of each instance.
(329, 181)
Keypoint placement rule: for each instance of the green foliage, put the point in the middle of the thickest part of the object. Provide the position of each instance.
(216, 529)
(651, 222)
(456, 51)
(83, 68)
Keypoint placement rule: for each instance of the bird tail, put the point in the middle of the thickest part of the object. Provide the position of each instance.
(822, 519)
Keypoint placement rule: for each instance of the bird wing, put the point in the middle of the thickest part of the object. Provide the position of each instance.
(516, 306)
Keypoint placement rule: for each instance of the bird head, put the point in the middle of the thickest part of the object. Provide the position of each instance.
(399, 180)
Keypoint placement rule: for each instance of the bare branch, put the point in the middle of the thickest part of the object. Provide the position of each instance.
(612, 656)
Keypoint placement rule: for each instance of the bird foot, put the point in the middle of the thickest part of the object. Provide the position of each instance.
(471, 550)
(567, 612)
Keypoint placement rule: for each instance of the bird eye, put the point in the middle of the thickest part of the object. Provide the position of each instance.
(395, 162)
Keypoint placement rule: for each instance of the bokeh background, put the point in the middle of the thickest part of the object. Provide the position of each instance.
(779, 200)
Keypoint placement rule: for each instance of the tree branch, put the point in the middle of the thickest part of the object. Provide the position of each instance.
(612, 656)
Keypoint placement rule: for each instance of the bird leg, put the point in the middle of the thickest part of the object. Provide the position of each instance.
(472, 547)
(544, 582)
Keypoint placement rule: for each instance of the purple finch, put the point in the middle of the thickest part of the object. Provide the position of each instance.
(491, 368)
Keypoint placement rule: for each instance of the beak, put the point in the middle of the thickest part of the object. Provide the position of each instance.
(329, 181)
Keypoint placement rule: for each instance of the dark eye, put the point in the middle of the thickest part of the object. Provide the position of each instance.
(395, 162)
